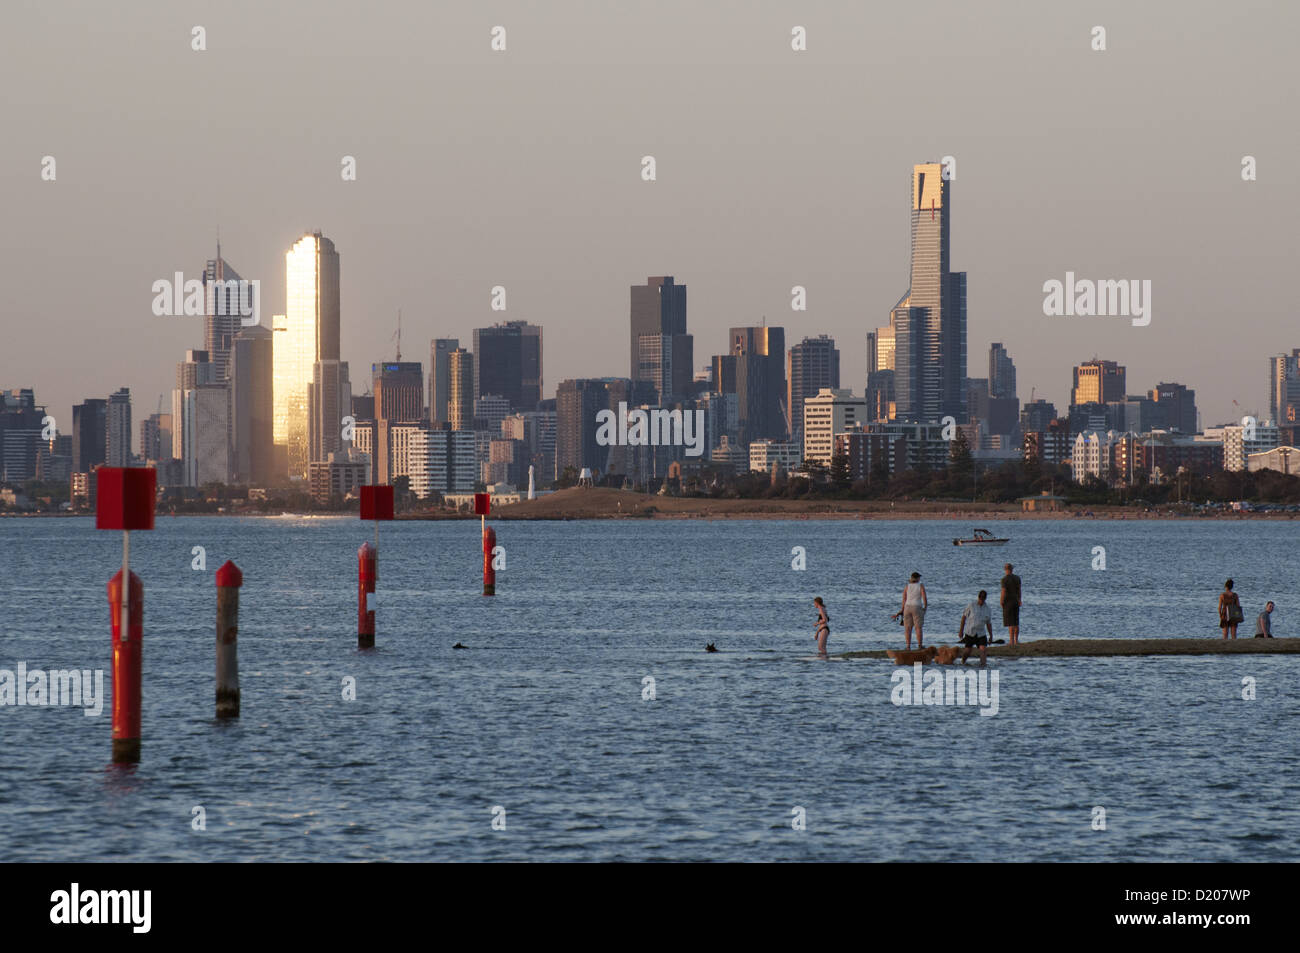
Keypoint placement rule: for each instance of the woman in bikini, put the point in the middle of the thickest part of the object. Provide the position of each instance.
(823, 631)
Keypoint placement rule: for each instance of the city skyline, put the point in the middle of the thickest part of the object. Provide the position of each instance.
(742, 222)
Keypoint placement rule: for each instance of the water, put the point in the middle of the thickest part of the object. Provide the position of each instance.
(543, 715)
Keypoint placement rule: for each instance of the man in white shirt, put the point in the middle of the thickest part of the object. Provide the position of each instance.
(974, 617)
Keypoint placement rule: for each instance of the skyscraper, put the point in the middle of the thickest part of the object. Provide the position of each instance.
(223, 303)
(330, 400)
(662, 353)
(576, 404)
(1284, 388)
(1097, 382)
(460, 389)
(929, 321)
(89, 430)
(439, 352)
(814, 363)
(508, 363)
(1002, 372)
(252, 401)
(1176, 407)
(117, 440)
(399, 391)
(760, 381)
(307, 332)
(195, 371)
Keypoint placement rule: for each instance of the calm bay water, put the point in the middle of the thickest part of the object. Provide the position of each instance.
(543, 714)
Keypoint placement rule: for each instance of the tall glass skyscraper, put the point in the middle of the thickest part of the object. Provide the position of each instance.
(307, 332)
(930, 320)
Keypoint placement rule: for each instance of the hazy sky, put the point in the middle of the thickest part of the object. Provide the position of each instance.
(775, 168)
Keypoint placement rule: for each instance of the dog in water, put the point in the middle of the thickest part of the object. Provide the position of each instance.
(912, 656)
(946, 654)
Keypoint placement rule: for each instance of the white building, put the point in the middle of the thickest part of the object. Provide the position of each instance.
(443, 462)
(400, 441)
(1091, 455)
(767, 455)
(1281, 459)
(831, 411)
(1237, 447)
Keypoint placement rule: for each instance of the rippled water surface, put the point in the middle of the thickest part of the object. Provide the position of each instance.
(543, 715)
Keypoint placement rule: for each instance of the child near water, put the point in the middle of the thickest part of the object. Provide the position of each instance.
(823, 631)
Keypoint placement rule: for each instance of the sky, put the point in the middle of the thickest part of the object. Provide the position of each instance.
(774, 168)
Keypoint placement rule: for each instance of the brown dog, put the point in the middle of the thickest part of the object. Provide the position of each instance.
(946, 654)
(911, 656)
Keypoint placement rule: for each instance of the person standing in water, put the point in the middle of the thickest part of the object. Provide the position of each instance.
(915, 602)
(823, 631)
(1230, 614)
(1011, 605)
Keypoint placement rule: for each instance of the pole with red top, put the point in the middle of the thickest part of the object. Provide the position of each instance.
(482, 505)
(229, 579)
(376, 504)
(125, 501)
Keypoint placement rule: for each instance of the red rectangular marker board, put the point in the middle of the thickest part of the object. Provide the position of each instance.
(377, 502)
(125, 497)
(482, 503)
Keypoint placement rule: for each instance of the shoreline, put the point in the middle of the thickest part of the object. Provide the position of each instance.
(1104, 648)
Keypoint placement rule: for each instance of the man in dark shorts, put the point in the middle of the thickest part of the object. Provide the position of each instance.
(976, 616)
(1011, 605)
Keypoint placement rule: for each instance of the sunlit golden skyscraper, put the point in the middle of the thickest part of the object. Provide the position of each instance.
(307, 332)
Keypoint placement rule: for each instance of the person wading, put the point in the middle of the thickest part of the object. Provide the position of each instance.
(1230, 614)
(915, 602)
(1010, 600)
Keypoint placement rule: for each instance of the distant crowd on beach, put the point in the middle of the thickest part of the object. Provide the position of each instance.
(975, 630)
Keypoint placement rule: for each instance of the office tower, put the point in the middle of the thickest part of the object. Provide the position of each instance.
(225, 298)
(206, 423)
(537, 431)
(363, 406)
(460, 389)
(89, 430)
(662, 353)
(508, 362)
(1002, 372)
(489, 411)
(195, 371)
(814, 363)
(19, 413)
(330, 400)
(1037, 415)
(156, 437)
(724, 373)
(1284, 388)
(117, 440)
(1176, 407)
(881, 345)
(439, 370)
(929, 321)
(759, 353)
(1098, 382)
(577, 403)
(252, 403)
(398, 390)
(307, 332)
